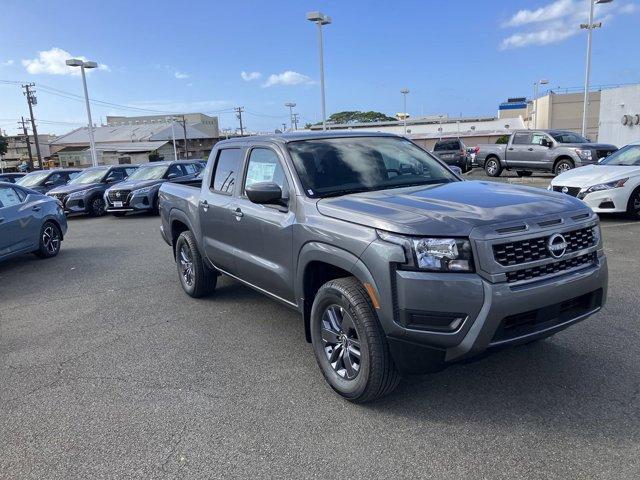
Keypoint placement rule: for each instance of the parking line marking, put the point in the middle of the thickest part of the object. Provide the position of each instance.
(628, 224)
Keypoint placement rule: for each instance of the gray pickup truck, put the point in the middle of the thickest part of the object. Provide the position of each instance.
(395, 264)
(553, 151)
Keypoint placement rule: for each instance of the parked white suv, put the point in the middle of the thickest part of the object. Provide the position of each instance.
(613, 185)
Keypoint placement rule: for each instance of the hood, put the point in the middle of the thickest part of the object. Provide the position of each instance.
(74, 188)
(592, 146)
(135, 184)
(594, 174)
(452, 209)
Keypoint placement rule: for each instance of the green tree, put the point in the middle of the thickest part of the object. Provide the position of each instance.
(155, 156)
(4, 145)
(357, 116)
(503, 140)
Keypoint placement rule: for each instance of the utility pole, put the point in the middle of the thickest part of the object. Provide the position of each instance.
(295, 121)
(184, 131)
(239, 111)
(290, 105)
(32, 100)
(26, 138)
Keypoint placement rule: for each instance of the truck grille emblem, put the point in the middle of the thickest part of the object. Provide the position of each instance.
(118, 194)
(557, 245)
(565, 190)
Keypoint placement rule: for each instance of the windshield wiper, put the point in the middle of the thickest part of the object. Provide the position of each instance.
(339, 193)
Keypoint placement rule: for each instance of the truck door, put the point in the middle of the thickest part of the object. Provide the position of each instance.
(537, 155)
(217, 209)
(264, 233)
(516, 154)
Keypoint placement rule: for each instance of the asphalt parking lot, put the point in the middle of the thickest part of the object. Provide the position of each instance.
(108, 370)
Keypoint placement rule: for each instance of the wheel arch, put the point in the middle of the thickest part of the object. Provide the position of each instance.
(319, 263)
(178, 223)
(560, 158)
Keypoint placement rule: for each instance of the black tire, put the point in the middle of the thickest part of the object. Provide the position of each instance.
(633, 206)
(155, 210)
(523, 173)
(562, 166)
(50, 240)
(118, 214)
(492, 167)
(196, 278)
(97, 207)
(363, 369)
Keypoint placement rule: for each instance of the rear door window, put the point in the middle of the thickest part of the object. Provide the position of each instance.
(9, 197)
(521, 139)
(226, 170)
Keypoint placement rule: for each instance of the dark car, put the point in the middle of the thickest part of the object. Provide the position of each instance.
(140, 191)
(84, 194)
(44, 180)
(453, 151)
(30, 222)
(11, 177)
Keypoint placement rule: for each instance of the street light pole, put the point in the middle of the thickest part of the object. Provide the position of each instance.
(404, 93)
(290, 105)
(321, 19)
(76, 62)
(589, 27)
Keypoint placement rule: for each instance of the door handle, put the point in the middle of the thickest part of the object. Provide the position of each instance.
(510, 148)
(530, 149)
(204, 204)
(239, 214)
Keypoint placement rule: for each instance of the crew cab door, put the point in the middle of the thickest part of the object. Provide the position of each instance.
(517, 149)
(264, 233)
(217, 209)
(537, 155)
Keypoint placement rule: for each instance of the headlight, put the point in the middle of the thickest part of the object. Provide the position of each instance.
(607, 186)
(143, 190)
(79, 194)
(584, 154)
(434, 254)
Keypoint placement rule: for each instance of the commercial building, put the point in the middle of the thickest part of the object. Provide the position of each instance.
(426, 131)
(18, 150)
(620, 115)
(127, 140)
(563, 111)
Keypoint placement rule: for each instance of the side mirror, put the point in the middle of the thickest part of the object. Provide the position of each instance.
(546, 143)
(455, 169)
(265, 193)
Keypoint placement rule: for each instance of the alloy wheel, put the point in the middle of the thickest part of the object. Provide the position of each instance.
(492, 168)
(564, 167)
(186, 265)
(51, 239)
(340, 342)
(98, 206)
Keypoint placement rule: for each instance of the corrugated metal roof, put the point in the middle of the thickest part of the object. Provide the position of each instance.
(131, 133)
(130, 147)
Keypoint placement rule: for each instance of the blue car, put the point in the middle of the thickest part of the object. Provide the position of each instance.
(30, 222)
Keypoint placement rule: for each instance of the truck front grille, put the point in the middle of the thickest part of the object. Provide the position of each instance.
(550, 268)
(603, 153)
(533, 249)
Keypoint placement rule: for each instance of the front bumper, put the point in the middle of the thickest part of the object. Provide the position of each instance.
(608, 201)
(488, 315)
(76, 205)
(134, 202)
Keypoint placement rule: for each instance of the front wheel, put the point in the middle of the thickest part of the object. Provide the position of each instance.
(563, 166)
(492, 167)
(97, 208)
(50, 240)
(349, 344)
(633, 207)
(196, 278)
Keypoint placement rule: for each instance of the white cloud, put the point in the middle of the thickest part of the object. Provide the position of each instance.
(557, 21)
(52, 62)
(250, 76)
(288, 77)
(7, 63)
(181, 75)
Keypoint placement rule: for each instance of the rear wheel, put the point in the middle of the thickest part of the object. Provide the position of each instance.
(492, 167)
(633, 207)
(97, 207)
(349, 344)
(562, 166)
(50, 240)
(196, 278)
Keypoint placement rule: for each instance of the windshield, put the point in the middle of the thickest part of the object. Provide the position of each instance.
(628, 156)
(155, 172)
(93, 175)
(33, 179)
(568, 137)
(339, 166)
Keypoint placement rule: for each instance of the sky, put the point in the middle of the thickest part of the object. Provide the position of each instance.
(456, 57)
